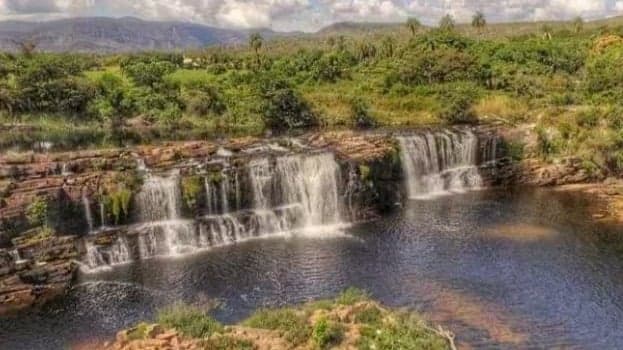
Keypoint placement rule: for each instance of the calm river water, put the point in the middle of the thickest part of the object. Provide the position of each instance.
(502, 269)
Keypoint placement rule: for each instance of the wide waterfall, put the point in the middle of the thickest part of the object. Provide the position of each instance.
(289, 194)
(285, 194)
(438, 163)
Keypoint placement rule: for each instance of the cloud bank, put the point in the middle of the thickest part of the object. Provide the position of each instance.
(308, 15)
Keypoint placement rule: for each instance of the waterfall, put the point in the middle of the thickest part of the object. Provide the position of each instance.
(296, 193)
(283, 195)
(87, 210)
(117, 253)
(311, 182)
(160, 199)
(438, 163)
(160, 203)
(102, 214)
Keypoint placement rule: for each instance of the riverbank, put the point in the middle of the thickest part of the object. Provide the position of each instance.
(350, 321)
(127, 204)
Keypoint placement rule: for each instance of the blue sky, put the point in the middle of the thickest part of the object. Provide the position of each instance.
(308, 15)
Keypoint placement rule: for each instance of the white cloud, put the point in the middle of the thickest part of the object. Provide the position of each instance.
(309, 14)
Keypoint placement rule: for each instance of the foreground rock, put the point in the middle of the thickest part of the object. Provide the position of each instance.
(351, 321)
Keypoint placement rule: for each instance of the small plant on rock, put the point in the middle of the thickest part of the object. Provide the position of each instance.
(326, 333)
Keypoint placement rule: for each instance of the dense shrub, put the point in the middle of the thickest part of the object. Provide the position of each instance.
(361, 115)
(438, 66)
(188, 320)
(326, 333)
(285, 109)
(202, 98)
(457, 103)
(604, 72)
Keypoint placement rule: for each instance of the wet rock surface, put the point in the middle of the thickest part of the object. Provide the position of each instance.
(36, 271)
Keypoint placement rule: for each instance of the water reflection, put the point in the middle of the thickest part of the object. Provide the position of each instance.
(501, 269)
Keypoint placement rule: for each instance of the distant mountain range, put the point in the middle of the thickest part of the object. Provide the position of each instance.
(108, 35)
(102, 34)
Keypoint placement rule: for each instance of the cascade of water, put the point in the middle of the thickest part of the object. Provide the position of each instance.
(15, 255)
(87, 210)
(439, 163)
(310, 182)
(260, 174)
(160, 205)
(288, 194)
(102, 214)
(160, 199)
(117, 253)
(64, 170)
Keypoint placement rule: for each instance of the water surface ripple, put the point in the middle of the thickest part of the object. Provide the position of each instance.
(503, 270)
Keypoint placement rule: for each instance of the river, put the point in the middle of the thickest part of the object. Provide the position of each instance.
(501, 268)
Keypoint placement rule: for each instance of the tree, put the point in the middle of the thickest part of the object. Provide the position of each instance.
(413, 24)
(255, 43)
(285, 109)
(578, 24)
(479, 21)
(447, 23)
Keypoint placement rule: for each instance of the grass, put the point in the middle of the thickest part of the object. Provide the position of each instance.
(401, 331)
(349, 320)
(290, 322)
(327, 333)
(189, 321)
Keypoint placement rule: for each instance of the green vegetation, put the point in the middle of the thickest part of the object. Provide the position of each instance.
(192, 188)
(351, 320)
(37, 212)
(189, 321)
(327, 333)
(564, 77)
(291, 322)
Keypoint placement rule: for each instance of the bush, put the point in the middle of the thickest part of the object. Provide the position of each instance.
(457, 101)
(360, 114)
(192, 188)
(285, 109)
(326, 333)
(515, 150)
(37, 212)
(546, 145)
(188, 320)
(438, 66)
(403, 332)
(203, 99)
(291, 322)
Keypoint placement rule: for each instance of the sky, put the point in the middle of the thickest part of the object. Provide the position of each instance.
(308, 15)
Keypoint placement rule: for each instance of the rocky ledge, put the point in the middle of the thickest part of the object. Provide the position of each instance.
(39, 268)
(351, 321)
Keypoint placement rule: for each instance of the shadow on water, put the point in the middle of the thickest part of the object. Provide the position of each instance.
(512, 270)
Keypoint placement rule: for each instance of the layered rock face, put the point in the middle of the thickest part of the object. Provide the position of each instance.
(135, 203)
(37, 269)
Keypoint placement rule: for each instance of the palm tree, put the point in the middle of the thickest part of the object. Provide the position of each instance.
(578, 24)
(413, 24)
(479, 21)
(255, 42)
(447, 24)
